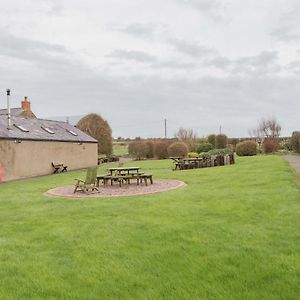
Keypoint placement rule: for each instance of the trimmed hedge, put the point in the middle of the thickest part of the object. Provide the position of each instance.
(246, 148)
(138, 149)
(161, 149)
(150, 150)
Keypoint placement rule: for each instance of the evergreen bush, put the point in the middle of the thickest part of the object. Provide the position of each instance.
(204, 147)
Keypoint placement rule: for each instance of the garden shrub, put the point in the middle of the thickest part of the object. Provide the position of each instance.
(193, 154)
(221, 141)
(205, 155)
(270, 145)
(233, 142)
(212, 140)
(295, 141)
(246, 148)
(112, 158)
(161, 149)
(138, 149)
(219, 151)
(231, 147)
(205, 147)
(286, 145)
(179, 149)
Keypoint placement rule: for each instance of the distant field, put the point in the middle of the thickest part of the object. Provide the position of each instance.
(232, 233)
(120, 149)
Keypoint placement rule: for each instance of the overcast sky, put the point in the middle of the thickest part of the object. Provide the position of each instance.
(198, 63)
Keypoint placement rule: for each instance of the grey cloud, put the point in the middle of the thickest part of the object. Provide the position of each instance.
(144, 30)
(219, 62)
(204, 5)
(287, 29)
(210, 8)
(138, 56)
(203, 103)
(193, 49)
(261, 64)
(294, 67)
(31, 50)
(286, 33)
(174, 64)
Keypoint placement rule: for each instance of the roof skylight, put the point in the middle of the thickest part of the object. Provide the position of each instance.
(72, 132)
(47, 130)
(21, 128)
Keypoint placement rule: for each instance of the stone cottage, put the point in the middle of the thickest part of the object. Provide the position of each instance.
(29, 145)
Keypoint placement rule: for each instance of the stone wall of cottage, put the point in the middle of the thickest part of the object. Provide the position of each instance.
(23, 159)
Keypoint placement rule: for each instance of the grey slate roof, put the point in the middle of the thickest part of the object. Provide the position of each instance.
(37, 133)
(14, 111)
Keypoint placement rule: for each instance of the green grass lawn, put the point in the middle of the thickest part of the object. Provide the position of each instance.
(232, 233)
(120, 149)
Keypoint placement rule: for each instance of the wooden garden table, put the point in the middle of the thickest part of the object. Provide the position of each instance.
(126, 170)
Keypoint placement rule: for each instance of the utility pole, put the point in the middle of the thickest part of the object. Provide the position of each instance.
(220, 129)
(165, 128)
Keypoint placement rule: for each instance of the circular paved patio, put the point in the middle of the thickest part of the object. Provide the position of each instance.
(116, 191)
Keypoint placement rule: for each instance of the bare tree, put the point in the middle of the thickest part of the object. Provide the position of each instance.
(255, 133)
(269, 128)
(188, 136)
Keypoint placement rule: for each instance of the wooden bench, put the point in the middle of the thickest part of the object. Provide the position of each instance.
(59, 167)
(120, 178)
(145, 177)
(102, 177)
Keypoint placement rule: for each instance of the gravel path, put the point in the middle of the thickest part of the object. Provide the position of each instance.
(294, 161)
(116, 191)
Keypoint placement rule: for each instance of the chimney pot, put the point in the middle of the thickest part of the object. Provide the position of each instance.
(25, 104)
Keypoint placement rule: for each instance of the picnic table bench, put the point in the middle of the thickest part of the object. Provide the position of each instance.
(124, 174)
(187, 163)
(59, 167)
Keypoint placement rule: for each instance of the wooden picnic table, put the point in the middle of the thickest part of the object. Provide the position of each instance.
(187, 162)
(122, 170)
(124, 174)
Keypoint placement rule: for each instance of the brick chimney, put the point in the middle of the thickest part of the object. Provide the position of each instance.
(26, 104)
